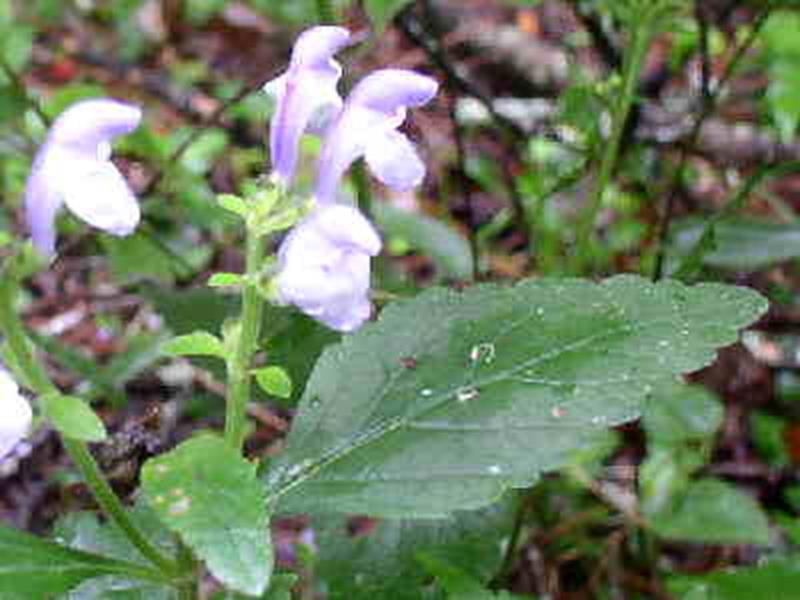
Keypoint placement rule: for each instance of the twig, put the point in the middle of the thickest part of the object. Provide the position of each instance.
(708, 103)
(412, 30)
(512, 547)
(19, 84)
(176, 155)
(466, 191)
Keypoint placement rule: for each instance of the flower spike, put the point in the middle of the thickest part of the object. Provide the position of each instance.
(367, 126)
(73, 167)
(305, 95)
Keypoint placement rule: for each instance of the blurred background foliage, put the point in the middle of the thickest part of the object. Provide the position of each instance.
(703, 185)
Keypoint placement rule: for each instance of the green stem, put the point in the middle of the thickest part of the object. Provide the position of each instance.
(634, 61)
(38, 379)
(246, 344)
(112, 506)
(325, 12)
(19, 84)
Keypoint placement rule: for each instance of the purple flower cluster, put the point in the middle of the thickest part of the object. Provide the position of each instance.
(325, 261)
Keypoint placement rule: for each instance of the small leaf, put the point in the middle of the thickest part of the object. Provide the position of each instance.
(207, 493)
(680, 413)
(713, 511)
(31, 567)
(138, 256)
(450, 251)
(275, 381)
(736, 244)
(460, 584)
(199, 343)
(225, 280)
(233, 204)
(297, 347)
(454, 396)
(73, 418)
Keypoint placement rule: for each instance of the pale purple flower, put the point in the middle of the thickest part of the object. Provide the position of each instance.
(73, 167)
(367, 126)
(324, 266)
(15, 414)
(305, 95)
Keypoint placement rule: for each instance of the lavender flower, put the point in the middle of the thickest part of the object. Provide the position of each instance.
(325, 261)
(73, 167)
(305, 95)
(324, 266)
(15, 414)
(367, 126)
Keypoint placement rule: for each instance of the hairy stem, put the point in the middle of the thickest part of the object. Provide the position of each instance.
(632, 68)
(246, 344)
(33, 370)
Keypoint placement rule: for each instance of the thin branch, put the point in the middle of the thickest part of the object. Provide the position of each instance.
(708, 103)
(178, 153)
(466, 191)
(19, 84)
(413, 31)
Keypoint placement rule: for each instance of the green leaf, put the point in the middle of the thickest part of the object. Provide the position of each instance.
(381, 12)
(138, 256)
(199, 343)
(449, 250)
(385, 558)
(34, 568)
(776, 580)
(187, 311)
(297, 347)
(460, 584)
(118, 588)
(225, 280)
(207, 493)
(275, 381)
(280, 588)
(73, 418)
(452, 397)
(713, 512)
(741, 244)
(679, 413)
(233, 204)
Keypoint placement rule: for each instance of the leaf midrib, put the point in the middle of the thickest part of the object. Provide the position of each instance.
(391, 425)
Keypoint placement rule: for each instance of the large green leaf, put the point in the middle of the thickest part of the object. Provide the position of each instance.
(776, 580)
(207, 493)
(453, 396)
(449, 250)
(35, 569)
(714, 512)
(741, 244)
(681, 413)
(384, 563)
